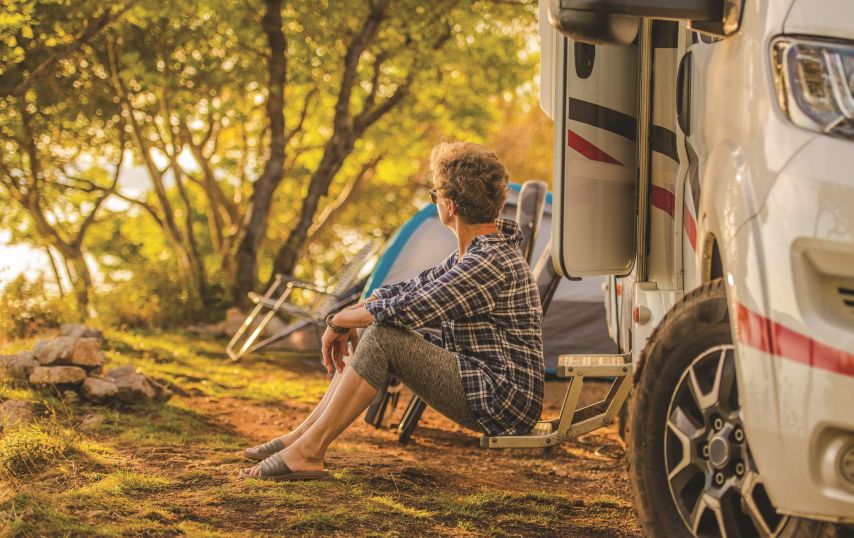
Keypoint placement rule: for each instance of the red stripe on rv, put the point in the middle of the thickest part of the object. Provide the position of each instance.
(664, 200)
(586, 148)
(690, 226)
(769, 336)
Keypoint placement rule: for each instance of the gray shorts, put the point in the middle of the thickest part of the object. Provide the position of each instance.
(428, 370)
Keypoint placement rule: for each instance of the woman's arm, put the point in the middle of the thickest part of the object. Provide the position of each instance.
(355, 316)
(425, 276)
(466, 290)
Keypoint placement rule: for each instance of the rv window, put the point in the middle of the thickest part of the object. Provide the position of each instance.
(585, 54)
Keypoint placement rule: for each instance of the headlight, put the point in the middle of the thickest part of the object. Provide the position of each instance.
(815, 84)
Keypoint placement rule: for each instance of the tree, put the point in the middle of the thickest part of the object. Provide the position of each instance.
(388, 50)
(267, 131)
(41, 35)
(255, 222)
(57, 129)
(60, 197)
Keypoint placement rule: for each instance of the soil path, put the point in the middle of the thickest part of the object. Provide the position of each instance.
(590, 470)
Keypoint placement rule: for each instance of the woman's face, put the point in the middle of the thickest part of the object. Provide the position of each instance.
(445, 208)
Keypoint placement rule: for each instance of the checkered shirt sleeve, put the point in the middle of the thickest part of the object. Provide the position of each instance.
(466, 290)
(390, 290)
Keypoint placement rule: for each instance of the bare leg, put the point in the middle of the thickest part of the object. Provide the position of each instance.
(351, 398)
(294, 434)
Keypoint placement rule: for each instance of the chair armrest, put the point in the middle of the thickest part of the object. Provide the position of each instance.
(294, 283)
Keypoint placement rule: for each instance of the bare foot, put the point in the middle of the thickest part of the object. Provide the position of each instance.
(286, 441)
(296, 460)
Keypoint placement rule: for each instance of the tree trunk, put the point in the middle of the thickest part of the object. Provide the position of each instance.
(284, 260)
(56, 274)
(246, 271)
(81, 279)
(198, 276)
(333, 159)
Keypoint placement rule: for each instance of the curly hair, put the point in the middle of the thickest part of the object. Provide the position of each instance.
(473, 177)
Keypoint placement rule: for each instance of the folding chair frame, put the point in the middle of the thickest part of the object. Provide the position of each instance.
(239, 346)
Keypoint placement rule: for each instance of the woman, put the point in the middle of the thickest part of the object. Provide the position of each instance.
(486, 372)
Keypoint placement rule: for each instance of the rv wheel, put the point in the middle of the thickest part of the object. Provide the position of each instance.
(689, 462)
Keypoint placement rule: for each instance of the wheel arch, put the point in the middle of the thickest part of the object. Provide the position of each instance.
(712, 262)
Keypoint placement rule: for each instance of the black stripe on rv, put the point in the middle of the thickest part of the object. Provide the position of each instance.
(602, 117)
(694, 176)
(663, 141)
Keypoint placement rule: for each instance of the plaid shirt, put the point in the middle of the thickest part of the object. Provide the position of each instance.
(489, 310)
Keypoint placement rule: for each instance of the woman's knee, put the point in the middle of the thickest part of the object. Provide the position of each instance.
(371, 360)
(376, 333)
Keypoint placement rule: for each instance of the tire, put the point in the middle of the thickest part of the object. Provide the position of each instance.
(689, 464)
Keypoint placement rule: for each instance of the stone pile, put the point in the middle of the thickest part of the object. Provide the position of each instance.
(75, 361)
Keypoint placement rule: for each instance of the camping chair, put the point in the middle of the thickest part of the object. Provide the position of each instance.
(275, 301)
(529, 213)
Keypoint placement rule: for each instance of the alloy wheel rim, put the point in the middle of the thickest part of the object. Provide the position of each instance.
(711, 474)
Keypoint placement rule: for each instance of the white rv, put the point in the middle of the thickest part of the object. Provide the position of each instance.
(704, 161)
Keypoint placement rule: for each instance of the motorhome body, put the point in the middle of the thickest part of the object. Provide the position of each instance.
(686, 158)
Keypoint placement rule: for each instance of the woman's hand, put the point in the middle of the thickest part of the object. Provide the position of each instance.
(333, 349)
(334, 345)
(353, 338)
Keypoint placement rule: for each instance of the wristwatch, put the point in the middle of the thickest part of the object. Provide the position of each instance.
(335, 328)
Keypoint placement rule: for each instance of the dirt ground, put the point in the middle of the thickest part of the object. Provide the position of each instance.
(171, 469)
(590, 471)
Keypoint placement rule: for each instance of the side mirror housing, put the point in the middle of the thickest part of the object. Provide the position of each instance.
(616, 22)
(594, 27)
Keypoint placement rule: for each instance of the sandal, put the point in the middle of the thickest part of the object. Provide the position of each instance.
(273, 468)
(264, 451)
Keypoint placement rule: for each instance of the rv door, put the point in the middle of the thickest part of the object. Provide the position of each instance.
(594, 107)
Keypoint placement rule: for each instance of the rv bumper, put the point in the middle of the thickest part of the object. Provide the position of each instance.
(792, 298)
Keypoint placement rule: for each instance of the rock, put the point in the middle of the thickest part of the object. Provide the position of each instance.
(91, 422)
(55, 351)
(161, 392)
(121, 371)
(80, 331)
(14, 412)
(234, 319)
(18, 366)
(87, 352)
(134, 387)
(57, 375)
(99, 390)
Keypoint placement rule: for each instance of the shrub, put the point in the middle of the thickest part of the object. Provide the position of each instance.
(29, 306)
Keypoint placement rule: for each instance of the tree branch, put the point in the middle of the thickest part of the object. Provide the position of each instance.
(298, 127)
(90, 218)
(144, 205)
(326, 215)
(90, 29)
(357, 45)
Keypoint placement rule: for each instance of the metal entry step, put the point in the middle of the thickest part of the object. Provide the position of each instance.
(593, 365)
(573, 422)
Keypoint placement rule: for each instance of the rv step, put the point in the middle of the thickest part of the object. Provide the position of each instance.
(593, 365)
(573, 421)
(540, 436)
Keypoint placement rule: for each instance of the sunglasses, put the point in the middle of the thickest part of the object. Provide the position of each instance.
(433, 194)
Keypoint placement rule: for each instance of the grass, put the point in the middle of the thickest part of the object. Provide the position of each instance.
(28, 449)
(155, 469)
